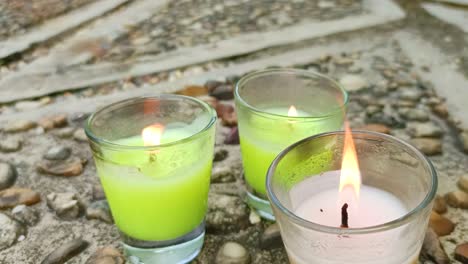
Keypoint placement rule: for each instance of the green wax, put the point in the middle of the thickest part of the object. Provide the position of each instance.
(262, 139)
(157, 196)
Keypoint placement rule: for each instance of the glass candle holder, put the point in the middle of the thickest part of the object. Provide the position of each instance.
(276, 108)
(153, 156)
(398, 187)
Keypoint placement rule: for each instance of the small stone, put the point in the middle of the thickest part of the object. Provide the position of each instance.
(80, 135)
(457, 199)
(440, 224)
(223, 92)
(8, 175)
(411, 95)
(70, 167)
(464, 140)
(66, 205)
(51, 122)
(25, 215)
(10, 145)
(10, 230)
(106, 255)
(461, 253)
(439, 206)
(212, 84)
(19, 126)
(441, 110)
(226, 213)
(254, 218)
(220, 155)
(99, 210)
(271, 237)
(222, 174)
(428, 146)
(14, 196)
(65, 132)
(354, 69)
(193, 90)
(432, 249)
(227, 114)
(58, 153)
(353, 82)
(232, 253)
(232, 138)
(373, 109)
(463, 183)
(425, 130)
(376, 128)
(414, 114)
(27, 105)
(65, 252)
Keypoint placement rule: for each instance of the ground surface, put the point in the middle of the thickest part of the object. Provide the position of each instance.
(407, 60)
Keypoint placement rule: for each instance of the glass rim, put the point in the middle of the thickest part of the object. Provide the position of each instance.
(354, 231)
(111, 144)
(294, 71)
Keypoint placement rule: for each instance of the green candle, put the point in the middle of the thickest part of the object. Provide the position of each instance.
(161, 194)
(263, 138)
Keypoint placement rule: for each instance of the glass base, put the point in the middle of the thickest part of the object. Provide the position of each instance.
(177, 251)
(260, 205)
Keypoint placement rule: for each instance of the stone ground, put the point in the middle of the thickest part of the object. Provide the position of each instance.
(405, 64)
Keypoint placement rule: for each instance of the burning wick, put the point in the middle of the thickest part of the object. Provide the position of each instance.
(344, 216)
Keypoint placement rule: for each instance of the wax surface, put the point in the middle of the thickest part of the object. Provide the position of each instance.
(159, 197)
(264, 139)
(375, 207)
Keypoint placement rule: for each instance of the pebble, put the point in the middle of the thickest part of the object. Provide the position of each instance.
(353, 82)
(425, 130)
(222, 174)
(65, 252)
(57, 121)
(14, 196)
(461, 253)
(212, 84)
(373, 109)
(271, 237)
(220, 155)
(227, 114)
(70, 167)
(80, 135)
(440, 224)
(428, 146)
(440, 110)
(65, 132)
(226, 213)
(10, 145)
(457, 199)
(98, 192)
(8, 175)
(439, 206)
(19, 126)
(27, 105)
(232, 253)
(463, 183)
(254, 218)
(414, 114)
(58, 153)
(432, 249)
(464, 140)
(410, 94)
(25, 215)
(232, 138)
(99, 210)
(193, 90)
(66, 205)
(223, 92)
(106, 255)
(381, 128)
(9, 232)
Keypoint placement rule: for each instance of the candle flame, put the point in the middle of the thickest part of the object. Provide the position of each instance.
(350, 174)
(292, 111)
(152, 134)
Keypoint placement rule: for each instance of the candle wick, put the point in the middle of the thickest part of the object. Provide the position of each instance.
(344, 216)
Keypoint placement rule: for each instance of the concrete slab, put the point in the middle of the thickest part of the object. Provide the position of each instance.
(455, 16)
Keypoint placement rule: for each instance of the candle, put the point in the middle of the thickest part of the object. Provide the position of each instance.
(150, 199)
(276, 108)
(337, 202)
